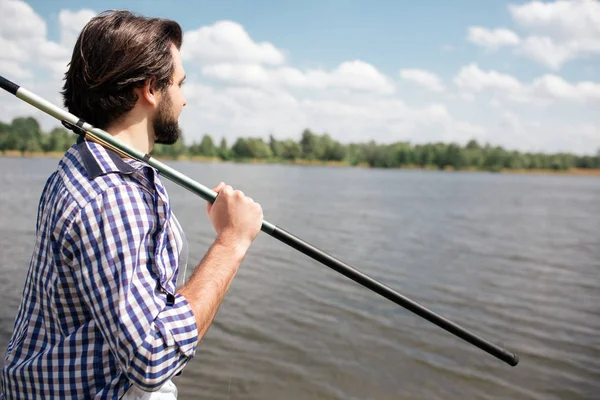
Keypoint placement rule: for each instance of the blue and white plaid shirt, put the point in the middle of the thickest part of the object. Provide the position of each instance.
(99, 310)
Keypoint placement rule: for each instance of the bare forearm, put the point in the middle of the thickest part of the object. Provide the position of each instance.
(211, 279)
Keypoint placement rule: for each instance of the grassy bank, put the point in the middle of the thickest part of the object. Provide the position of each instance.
(203, 159)
(571, 171)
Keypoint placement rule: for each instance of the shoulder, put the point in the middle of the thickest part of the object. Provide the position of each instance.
(91, 190)
(87, 172)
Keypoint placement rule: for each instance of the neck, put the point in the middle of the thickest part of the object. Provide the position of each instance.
(134, 132)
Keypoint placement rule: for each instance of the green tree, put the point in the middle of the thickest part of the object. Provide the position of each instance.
(290, 150)
(27, 134)
(207, 147)
(403, 154)
(354, 154)
(427, 155)
(473, 145)
(5, 130)
(310, 144)
(440, 155)
(58, 140)
(329, 149)
(240, 148)
(258, 148)
(174, 151)
(474, 157)
(455, 156)
(224, 152)
(276, 146)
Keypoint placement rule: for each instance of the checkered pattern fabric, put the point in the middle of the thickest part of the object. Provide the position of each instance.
(99, 311)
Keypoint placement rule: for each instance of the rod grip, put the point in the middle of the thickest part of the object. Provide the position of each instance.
(8, 85)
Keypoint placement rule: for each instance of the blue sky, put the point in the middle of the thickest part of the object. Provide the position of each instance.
(325, 32)
(388, 34)
(523, 75)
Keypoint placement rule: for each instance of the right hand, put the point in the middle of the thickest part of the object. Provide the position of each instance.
(236, 218)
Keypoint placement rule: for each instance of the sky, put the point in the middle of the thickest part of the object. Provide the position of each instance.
(522, 75)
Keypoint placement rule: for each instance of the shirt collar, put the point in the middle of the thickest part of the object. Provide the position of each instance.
(99, 160)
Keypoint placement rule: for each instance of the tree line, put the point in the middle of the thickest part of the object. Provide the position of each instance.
(24, 134)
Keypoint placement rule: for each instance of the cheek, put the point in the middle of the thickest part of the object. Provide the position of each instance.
(179, 98)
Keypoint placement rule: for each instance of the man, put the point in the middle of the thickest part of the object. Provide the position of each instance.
(101, 314)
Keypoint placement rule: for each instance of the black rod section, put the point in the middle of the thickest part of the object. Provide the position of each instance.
(392, 295)
(9, 86)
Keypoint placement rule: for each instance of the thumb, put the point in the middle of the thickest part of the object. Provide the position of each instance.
(216, 189)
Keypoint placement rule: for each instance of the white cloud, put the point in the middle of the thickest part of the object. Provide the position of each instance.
(22, 31)
(495, 103)
(471, 78)
(360, 116)
(353, 75)
(547, 52)
(23, 39)
(541, 91)
(228, 42)
(357, 75)
(516, 129)
(492, 38)
(552, 86)
(247, 74)
(426, 79)
(12, 50)
(563, 20)
(235, 111)
(469, 130)
(557, 32)
(240, 111)
(20, 22)
(13, 69)
(71, 23)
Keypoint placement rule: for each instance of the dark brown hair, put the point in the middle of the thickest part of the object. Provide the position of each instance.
(115, 52)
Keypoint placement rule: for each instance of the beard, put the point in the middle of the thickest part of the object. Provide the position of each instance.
(166, 127)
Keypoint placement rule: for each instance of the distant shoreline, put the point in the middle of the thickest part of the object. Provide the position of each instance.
(202, 159)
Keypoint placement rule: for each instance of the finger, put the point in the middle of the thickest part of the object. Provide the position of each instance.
(219, 187)
(227, 190)
(238, 193)
(224, 191)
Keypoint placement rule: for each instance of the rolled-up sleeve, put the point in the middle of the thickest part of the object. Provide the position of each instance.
(112, 247)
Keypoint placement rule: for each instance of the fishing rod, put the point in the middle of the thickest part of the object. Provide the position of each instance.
(105, 139)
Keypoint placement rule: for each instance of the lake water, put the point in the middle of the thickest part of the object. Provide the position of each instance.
(513, 258)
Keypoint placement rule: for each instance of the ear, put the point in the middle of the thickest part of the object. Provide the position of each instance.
(149, 94)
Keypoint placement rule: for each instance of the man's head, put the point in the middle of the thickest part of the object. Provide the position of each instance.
(121, 60)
